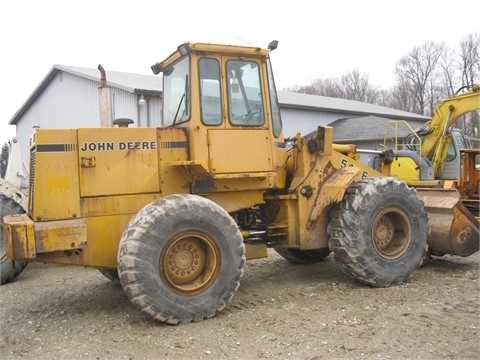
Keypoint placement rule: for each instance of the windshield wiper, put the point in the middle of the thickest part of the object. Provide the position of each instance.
(184, 97)
(178, 110)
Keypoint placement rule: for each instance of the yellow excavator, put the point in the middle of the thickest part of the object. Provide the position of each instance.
(436, 161)
(432, 154)
(173, 212)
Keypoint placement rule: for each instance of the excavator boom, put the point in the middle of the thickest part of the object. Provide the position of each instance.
(437, 140)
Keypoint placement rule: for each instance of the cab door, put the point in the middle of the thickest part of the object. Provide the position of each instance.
(451, 170)
(243, 144)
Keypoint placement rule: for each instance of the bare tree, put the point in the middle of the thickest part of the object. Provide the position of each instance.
(416, 72)
(327, 87)
(352, 86)
(323, 87)
(448, 67)
(401, 98)
(469, 59)
(428, 74)
(384, 98)
(468, 65)
(355, 86)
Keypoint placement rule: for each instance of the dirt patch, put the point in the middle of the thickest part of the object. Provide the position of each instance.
(280, 311)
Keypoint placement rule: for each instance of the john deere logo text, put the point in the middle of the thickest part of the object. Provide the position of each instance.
(127, 145)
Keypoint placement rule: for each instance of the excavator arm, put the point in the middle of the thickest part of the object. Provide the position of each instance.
(436, 134)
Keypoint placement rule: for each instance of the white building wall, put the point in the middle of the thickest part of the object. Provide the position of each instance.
(65, 103)
(305, 121)
(124, 105)
(150, 113)
(70, 101)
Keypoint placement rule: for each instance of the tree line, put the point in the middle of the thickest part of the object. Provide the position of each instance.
(426, 75)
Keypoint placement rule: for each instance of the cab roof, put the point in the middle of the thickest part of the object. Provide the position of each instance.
(209, 48)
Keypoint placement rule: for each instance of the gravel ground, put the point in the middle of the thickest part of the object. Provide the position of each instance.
(280, 311)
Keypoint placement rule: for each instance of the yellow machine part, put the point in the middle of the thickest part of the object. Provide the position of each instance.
(405, 169)
(453, 229)
(18, 230)
(109, 167)
(57, 181)
(321, 174)
(87, 190)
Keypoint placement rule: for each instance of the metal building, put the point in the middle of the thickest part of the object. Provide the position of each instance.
(68, 98)
(303, 113)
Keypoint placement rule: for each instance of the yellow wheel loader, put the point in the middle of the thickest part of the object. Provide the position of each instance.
(174, 212)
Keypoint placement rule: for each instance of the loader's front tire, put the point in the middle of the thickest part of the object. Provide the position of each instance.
(9, 269)
(181, 259)
(379, 232)
(297, 256)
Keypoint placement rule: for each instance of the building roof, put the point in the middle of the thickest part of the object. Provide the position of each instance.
(134, 83)
(352, 107)
(367, 128)
(152, 85)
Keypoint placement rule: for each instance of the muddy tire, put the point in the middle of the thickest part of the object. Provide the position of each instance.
(379, 232)
(181, 259)
(9, 269)
(302, 256)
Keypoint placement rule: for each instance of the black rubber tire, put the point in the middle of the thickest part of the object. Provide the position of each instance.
(181, 259)
(297, 256)
(379, 232)
(9, 269)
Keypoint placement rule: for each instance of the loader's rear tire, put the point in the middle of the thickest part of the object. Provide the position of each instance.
(9, 269)
(302, 256)
(181, 259)
(379, 232)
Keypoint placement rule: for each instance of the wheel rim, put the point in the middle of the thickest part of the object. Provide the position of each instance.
(190, 262)
(391, 233)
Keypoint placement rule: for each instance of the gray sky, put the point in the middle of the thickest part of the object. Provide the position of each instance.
(316, 39)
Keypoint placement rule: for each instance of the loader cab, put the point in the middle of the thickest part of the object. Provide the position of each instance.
(225, 98)
(217, 82)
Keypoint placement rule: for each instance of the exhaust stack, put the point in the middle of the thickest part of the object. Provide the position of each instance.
(104, 100)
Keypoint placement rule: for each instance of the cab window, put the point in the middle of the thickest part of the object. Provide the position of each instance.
(176, 93)
(210, 103)
(244, 93)
(275, 106)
